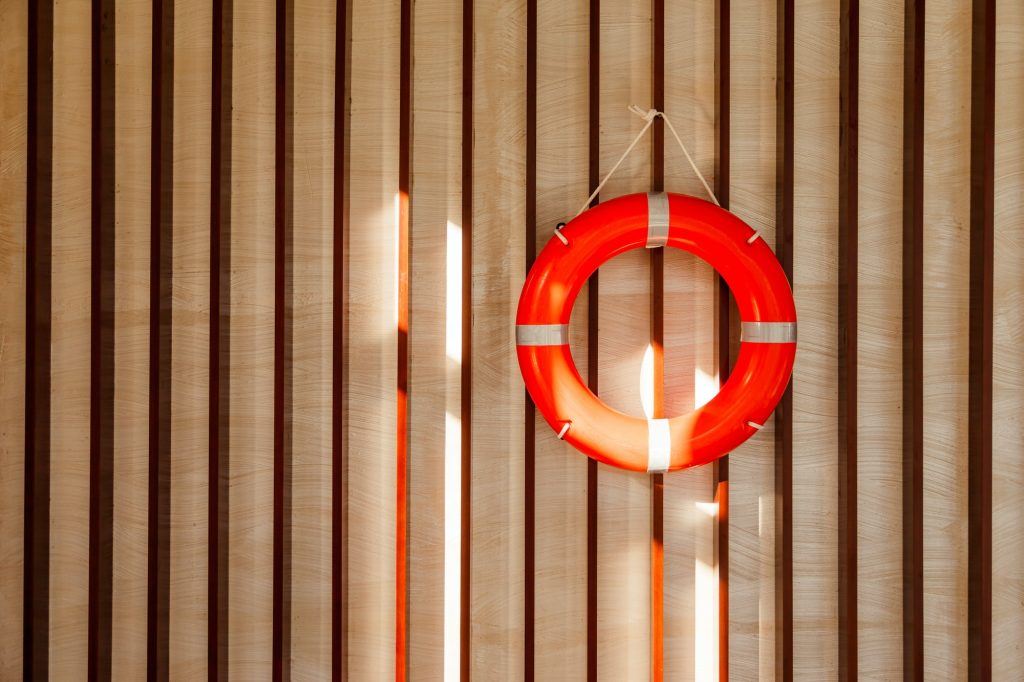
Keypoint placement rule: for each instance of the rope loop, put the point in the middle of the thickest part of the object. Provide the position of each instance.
(648, 115)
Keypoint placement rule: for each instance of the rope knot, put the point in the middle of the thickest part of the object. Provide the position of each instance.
(647, 115)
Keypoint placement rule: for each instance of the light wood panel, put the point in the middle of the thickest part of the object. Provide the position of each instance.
(371, 264)
(751, 467)
(190, 341)
(879, 339)
(69, 425)
(1008, 360)
(132, 129)
(436, 229)
(624, 498)
(563, 115)
(311, 313)
(691, 591)
(499, 154)
(251, 365)
(946, 271)
(815, 375)
(13, 177)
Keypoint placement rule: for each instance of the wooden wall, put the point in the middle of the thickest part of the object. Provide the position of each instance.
(262, 417)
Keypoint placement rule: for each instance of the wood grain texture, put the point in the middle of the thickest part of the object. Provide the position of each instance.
(1008, 360)
(132, 129)
(624, 498)
(497, 542)
(13, 292)
(561, 471)
(815, 375)
(691, 594)
(250, 370)
(435, 347)
(312, 71)
(69, 426)
(190, 340)
(879, 565)
(372, 332)
(751, 467)
(946, 220)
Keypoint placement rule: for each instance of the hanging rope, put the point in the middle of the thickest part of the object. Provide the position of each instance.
(649, 115)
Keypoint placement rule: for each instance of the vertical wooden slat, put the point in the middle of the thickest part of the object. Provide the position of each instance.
(691, 606)
(101, 339)
(435, 301)
(979, 396)
(751, 470)
(14, 125)
(720, 468)
(312, 100)
(131, 225)
(846, 341)
(1008, 369)
(785, 145)
(497, 544)
(815, 377)
(593, 313)
(946, 217)
(218, 421)
(624, 498)
(561, 471)
(913, 340)
(529, 414)
(402, 351)
(879, 340)
(372, 333)
(466, 348)
(193, 268)
(339, 345)
(250, 422)
(161, 188)
(70, 346)
(281, 591)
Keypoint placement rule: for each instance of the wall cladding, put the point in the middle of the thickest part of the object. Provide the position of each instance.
(262, 414)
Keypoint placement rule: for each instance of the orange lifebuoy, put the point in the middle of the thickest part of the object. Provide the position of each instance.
(767, 343)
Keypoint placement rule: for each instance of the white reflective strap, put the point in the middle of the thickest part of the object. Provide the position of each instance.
(542, 334)
(768, 332)
(659, 446)
(657, 219)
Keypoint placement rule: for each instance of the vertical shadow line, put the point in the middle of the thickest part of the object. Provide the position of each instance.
(339, 350)
(784, 412)
(913, 341)
(849, 57)
(982, 235)
(160, 338)
(38, 276)
(220, 334)
(465, 630)
(101, 370)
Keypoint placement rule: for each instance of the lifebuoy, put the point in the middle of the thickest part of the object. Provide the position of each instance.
(767, 341)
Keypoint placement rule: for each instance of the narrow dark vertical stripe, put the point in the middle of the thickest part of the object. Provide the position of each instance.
(594, 170)
(101, 380)
(402, 417)
(220, 321)
(913, 341)
(467, 339)
(720, 468)
(161, 263)
(339, 488)
(784, 411)
(657, 259)
(38, 265)
(849, 57)
(529, 425)
(282, 341)
(983, 123)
